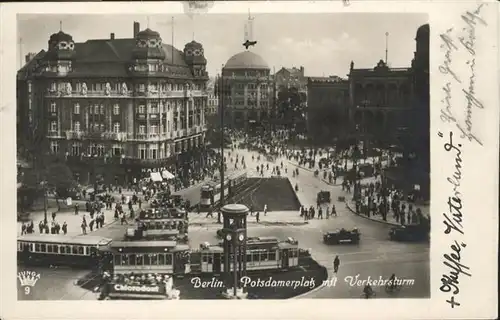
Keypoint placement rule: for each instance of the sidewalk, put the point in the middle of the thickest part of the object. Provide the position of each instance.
(273, 218)
(73, 221)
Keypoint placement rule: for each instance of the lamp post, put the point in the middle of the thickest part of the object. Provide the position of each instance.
(222, 91)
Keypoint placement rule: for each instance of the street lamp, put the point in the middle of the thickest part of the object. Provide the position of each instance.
(222, 90)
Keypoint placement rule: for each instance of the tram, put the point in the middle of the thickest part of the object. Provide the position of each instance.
(50, 249)
(145, 257)
(211, 192)
(263, 253)
(159, 229)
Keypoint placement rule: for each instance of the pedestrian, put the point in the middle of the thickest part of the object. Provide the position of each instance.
(265, 209)
(336, 264)
(334, 210)
(327, 212)
(23, 229)
(257, 216)
(91, 225)
(84, 227)
(320, 213)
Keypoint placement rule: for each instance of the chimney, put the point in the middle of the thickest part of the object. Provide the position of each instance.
(302, 70)
(137, 28)
(112, 36)
(30, 56)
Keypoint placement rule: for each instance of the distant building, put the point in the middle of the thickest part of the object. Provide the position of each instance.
(118, 108)
(213, 99)
(291, 78)
(327, 107)
(251, 90)
(380, 99)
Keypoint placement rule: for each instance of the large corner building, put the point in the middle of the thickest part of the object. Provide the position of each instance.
(119, 108)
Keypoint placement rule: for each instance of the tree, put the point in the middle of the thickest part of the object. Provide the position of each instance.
(59, 179)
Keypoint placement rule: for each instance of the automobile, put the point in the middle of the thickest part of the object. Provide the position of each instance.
(409, 233)
(323, 197)
(342, 236)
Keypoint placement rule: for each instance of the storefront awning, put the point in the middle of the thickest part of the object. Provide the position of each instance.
(156, 177)
(167, 175)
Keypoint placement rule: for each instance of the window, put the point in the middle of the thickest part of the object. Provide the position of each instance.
(147, 260)
(76, 126)
(53, 86)
(154, 108)
(43, 247)
(102, 109)
(153, 129)
(142, 129)
(76, 149)
(162, 151)
(53, 126)
(29, 87)
(139, 260)
(142, 108)
(142, 87)
(76, 108)
(125, 260)
(154, 259)
(142, 151)
(131, 259)
(153, 151)
(53, 107)
(168, 259)
(62, 249)
(96, 109)
(116, 127)
(117, 259)
(29, 104)
(116, 109)
(272, 255)
(68, 249)
(37, 247)
(49, 248)
(117, 150)
(263, 256)
(249, 257)
(100, 150)
(161, 259)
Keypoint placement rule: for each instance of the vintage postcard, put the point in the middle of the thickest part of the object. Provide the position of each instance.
(249, 160)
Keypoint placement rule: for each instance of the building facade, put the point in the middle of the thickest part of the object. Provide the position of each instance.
(327, 107)
(116, 107)
(291, 78)
(380, 100)
(251, 86)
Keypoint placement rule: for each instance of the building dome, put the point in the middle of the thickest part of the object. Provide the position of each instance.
(246, 60)
(423, 32)
(147, 34)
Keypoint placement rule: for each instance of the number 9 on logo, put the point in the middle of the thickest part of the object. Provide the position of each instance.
(27, 290)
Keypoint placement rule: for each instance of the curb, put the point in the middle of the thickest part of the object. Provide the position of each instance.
(365, 217)
(321, 286)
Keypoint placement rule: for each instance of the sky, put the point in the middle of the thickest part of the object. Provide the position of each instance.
(323, 43)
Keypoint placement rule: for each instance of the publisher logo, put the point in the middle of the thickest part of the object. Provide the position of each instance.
(28, 280)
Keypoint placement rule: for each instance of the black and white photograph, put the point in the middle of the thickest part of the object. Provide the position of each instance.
(262, 155)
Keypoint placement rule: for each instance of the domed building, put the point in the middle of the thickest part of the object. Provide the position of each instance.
(117, 108)
(248, 103)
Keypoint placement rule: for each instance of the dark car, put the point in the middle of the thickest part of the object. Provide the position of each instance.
(220, 234)
(323, 197)
(342, 236)
(410, 233)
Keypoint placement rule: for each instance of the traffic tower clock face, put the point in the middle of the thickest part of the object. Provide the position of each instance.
(229, 237)
(241, 237)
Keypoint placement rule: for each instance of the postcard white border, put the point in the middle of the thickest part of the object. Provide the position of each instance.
(479, 185)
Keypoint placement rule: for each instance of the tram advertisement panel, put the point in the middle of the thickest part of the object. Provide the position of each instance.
(118, 288)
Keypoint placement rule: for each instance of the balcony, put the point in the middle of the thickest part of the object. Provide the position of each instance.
(74, 135)
(52, 114)
(150, 137)
(154, 116)
(54, 134)
(89, 93)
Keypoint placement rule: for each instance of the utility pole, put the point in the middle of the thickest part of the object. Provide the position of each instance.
(222, 93)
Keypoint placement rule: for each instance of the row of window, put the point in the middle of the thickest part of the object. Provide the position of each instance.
(152, 108)
(116, 86)
(55, 248)
(251, 86)
(132, 259)
(141, 129)
(152, 151)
